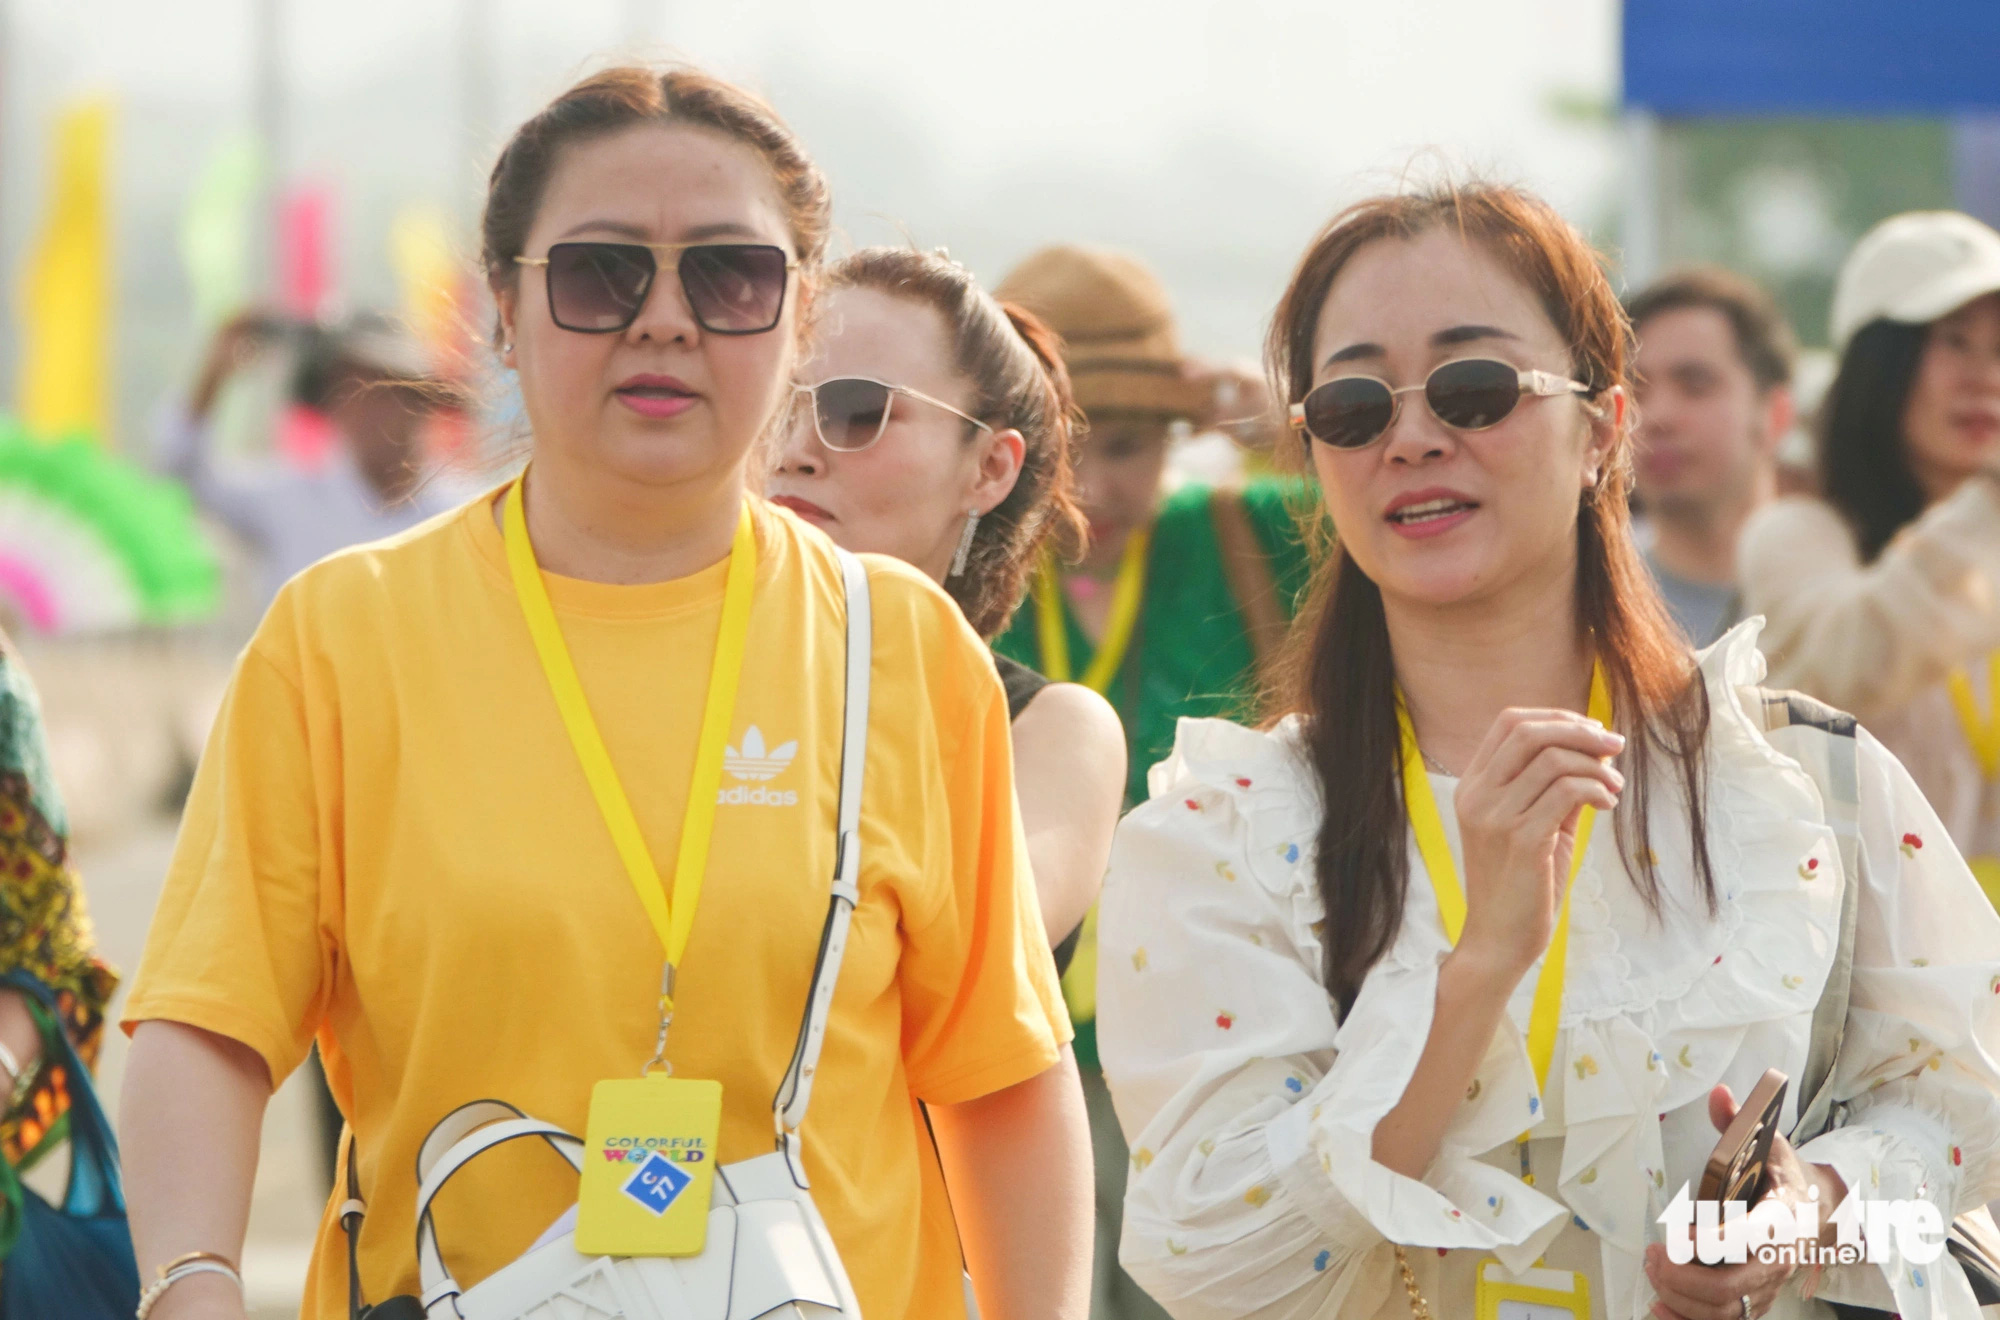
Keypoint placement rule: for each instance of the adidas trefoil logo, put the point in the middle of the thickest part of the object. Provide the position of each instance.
(754, 763)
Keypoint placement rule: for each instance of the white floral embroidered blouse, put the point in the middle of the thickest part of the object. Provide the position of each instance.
(1250, 1106)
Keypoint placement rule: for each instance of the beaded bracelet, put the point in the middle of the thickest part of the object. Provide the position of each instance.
(184, 1267)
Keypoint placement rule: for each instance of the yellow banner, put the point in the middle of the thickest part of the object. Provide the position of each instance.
(427, 274)
(66, 298)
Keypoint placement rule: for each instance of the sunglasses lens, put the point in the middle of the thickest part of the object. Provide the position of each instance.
(1350, 412)
(851, 413)
(734, 288)
(1473, 394)
(598, 287)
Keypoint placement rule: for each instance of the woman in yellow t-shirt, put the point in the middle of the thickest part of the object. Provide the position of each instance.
(936, 428)
(392, 846)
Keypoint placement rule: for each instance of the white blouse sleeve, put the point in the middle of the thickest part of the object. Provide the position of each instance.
(1919, 1068)
(1222, 1051)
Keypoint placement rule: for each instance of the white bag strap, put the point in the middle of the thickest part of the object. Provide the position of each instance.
(794, 1093)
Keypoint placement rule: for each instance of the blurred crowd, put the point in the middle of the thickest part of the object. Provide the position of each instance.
(1148, 574)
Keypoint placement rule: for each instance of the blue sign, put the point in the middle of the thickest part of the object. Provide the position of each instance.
(658, 1183)
(1812, 57)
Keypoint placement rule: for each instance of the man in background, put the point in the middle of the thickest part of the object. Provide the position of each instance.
(372, 379)
(1714, 374)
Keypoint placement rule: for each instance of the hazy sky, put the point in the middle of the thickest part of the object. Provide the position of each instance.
(1212, 138)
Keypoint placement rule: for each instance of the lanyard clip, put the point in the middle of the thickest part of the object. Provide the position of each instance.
(659, 1059)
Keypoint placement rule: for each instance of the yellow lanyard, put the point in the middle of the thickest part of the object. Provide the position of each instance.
(1981, 731)
(1052, 632)
(672, 924)
(1435, 850)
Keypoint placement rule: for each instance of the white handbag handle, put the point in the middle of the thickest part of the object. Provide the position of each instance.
(474, 1128)
(488, 1131)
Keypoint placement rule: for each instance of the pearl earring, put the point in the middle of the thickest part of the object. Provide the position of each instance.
(958, 561)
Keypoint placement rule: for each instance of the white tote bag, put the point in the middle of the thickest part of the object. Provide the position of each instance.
(768, 1252)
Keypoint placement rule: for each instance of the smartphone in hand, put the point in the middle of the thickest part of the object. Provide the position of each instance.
(1738, 1167)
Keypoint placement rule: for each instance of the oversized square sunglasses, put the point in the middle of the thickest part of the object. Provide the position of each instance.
(732, 288)
(1470, 394)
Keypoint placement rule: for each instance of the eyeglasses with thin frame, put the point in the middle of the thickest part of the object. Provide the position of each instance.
(850, 412)
(599, 288)
(1467, 394)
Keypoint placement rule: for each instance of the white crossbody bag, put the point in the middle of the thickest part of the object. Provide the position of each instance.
(768, 1252)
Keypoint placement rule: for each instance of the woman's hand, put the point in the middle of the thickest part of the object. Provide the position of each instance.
(1517, 809)
(1240, 404)
(236, 343)
(1518, 804)
(20, 1034)
(1695, 1291)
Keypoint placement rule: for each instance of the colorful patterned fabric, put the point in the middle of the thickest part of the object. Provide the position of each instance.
(45, 931)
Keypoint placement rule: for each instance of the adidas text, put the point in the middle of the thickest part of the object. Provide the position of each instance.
(756, 797)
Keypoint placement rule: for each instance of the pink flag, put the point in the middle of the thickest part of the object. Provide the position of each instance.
(305, 251)
(305, 289)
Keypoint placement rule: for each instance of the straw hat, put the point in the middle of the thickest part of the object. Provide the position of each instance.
(1119, 340)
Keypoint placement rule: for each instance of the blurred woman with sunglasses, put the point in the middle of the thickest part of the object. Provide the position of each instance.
(1393, 1030)
(937, 429)
(392, 844)
(1884, 591)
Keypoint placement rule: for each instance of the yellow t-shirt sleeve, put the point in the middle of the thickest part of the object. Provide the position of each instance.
(983, 1008)
(236, 945)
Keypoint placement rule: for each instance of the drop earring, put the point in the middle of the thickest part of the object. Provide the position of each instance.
(958, 561)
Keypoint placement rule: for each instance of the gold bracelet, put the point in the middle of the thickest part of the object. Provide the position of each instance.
(151, 1297)
(190, 1258)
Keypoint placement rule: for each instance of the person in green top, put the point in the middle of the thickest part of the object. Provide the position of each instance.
(1180, 600)
(1210, 573)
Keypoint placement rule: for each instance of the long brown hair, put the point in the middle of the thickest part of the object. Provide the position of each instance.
(1864, 455)
(1341, 675)
(1014, 362)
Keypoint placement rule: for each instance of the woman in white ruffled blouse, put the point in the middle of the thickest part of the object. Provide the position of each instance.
(1323, 1090)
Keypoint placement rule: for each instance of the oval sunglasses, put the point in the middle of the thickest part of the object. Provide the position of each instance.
(1469, 394)
(850, 412)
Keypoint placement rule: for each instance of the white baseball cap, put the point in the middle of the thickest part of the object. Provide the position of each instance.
(1914, 268)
